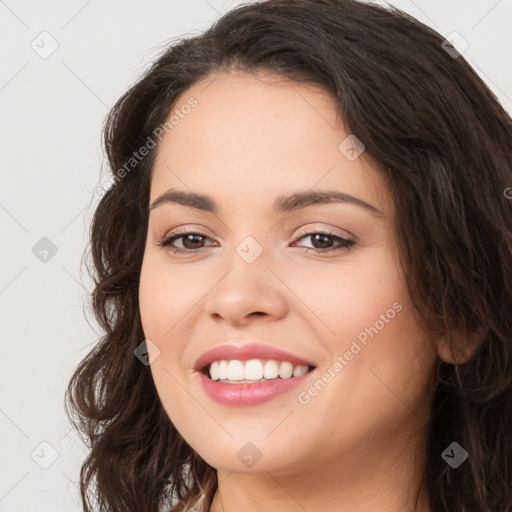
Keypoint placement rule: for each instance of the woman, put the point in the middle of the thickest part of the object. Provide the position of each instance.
(304, 273)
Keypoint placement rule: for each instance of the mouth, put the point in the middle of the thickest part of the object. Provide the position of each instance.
(253, 371)
(243, 392)
(244, 375)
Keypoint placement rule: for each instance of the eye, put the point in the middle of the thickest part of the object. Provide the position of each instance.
(190, 242)
(193, 241)
(322, 242)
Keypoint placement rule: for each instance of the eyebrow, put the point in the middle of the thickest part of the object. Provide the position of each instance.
(283, 204)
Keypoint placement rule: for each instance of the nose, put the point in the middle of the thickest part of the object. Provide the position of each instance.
(246, 291)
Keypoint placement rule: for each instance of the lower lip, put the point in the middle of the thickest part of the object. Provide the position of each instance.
(249, 394)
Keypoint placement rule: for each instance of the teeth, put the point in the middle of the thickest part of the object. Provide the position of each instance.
(235, 370)
(254, 370)
(271, 369)
(223, 370)
(285, 370)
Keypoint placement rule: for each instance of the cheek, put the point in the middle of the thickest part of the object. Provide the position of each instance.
(153, 301)
(165, 296)
(388, 361)
(351, 295)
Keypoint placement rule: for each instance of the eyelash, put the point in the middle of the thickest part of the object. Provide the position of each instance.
(344, 243)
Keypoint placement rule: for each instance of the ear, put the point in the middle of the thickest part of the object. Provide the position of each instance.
(462, 350)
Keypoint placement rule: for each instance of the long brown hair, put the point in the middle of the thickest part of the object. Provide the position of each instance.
(446, 144)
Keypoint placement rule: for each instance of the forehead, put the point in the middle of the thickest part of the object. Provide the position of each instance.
(257, 134)
(232, 106)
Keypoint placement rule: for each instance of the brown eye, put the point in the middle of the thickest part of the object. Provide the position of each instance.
(190, 241)
(323, 242)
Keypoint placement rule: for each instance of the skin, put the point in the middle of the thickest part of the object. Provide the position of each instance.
(357, 445)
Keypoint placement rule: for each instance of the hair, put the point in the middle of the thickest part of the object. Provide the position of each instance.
(444, 143)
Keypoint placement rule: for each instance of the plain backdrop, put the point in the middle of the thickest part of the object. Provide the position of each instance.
(63, 65)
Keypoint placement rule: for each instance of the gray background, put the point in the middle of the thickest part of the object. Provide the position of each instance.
(51, 111)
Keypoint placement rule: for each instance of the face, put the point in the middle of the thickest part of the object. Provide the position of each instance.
(318, 279)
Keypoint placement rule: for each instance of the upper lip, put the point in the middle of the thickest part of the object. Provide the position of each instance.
(245, 353)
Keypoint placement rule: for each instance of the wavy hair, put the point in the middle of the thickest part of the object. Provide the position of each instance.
(445, 142)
